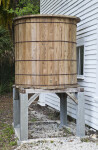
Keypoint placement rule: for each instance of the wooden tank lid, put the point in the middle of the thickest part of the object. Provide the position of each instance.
(47, 16)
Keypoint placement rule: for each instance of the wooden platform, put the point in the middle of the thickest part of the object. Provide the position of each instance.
(32, 90)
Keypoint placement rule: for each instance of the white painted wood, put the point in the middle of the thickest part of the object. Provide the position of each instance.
(90, 74)
(88, 86)
(92, 66)
(86, 13)
(91, 113)
(79, 36)
(97, 65)
(51, 4)
(91, 57)
(32, 99)
(53, 102)
(93, 52)
(87, 34)
(86, 25)
(41, 100)
(68, 5)
(90, 38)
(92, 70)
(80, 127)
(90, 94)
(89, 89)
(91, 124)
(73, 97)
(92, 108)
(23, 116)
(52, 91)
(89, 62)
(87, 30)
(83, 8)
(53, 106)
(90, 48)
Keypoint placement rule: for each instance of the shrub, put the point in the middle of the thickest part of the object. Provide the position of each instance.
(6, 61)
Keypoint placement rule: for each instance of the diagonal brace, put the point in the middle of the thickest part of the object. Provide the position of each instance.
(32, 99)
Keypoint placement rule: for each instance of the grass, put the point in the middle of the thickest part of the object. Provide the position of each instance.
(85, 140)
(7, 140)
(7, 137)
(54, 116)
(34, 119)
(67, 131)
(52, 141)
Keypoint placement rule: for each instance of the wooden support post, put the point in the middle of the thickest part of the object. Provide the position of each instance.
(16, 107)
(80, 127)
(63, 109)
(23, 116)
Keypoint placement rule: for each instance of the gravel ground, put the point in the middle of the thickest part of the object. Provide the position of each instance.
(45, 134)
(69, 143)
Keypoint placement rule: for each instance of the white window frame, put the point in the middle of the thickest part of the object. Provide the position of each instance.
(79, 44)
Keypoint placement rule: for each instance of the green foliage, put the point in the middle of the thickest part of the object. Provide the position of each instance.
(11, 8)
(26, 7)
(8, 10)
(6, 61)
(5, 43)
(13, 143)
(5, 15)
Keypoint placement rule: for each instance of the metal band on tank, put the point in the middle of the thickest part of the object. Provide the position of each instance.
(48, 85)
(45, 74)
(45, 41)
(47, 60)
(45, 22)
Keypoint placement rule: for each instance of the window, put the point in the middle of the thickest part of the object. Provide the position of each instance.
(80, 61)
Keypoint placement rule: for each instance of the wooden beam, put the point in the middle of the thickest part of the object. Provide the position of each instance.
(32, 99)
(72, 97)
(69, 90)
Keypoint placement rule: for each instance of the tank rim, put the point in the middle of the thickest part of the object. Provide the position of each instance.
(47, 16)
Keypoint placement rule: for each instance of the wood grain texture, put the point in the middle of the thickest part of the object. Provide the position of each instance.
(45, 51)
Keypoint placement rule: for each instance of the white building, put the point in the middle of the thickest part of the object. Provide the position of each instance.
(87, 48)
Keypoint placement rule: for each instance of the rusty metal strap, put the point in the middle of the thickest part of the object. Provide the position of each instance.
(47, 60)
(45, 41)
(75, 84)
(45, 74)
(45, 22)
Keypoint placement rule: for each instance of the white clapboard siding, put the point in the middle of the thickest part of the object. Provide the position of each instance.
(87, 70)
(87, 31)
(72, 6)
(93, 52)
(91, 33)
(90, 75)
(90, 109)
(90, 66)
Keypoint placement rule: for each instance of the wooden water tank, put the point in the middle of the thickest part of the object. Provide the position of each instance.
(45, 51)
